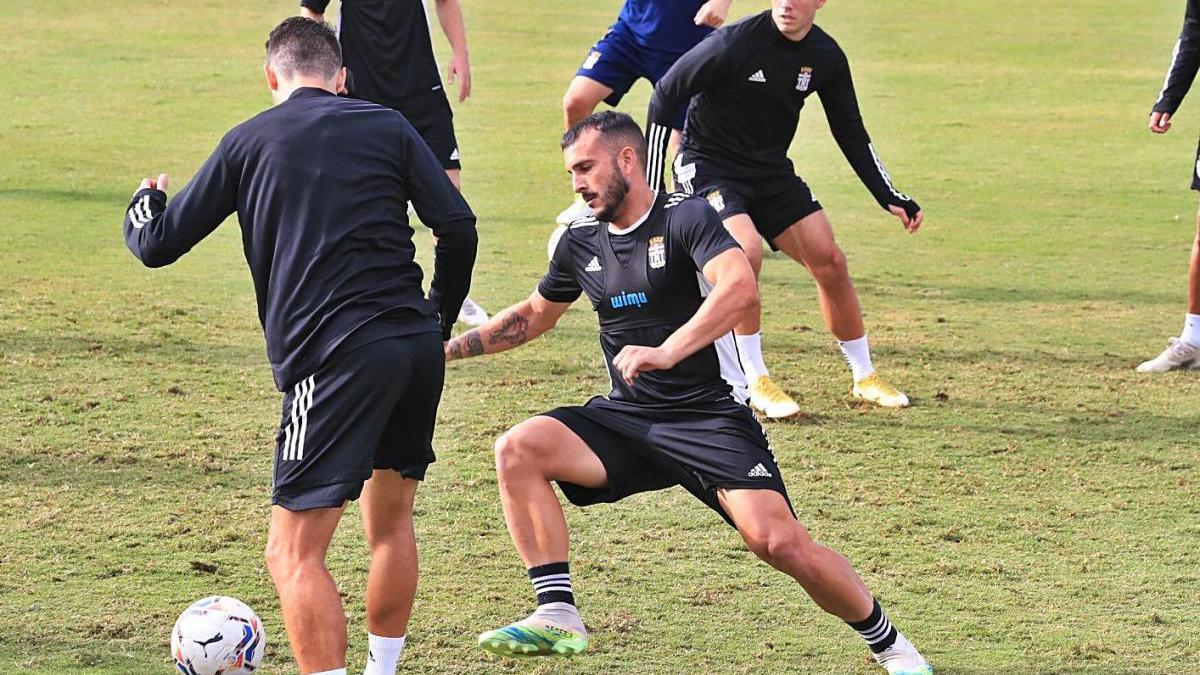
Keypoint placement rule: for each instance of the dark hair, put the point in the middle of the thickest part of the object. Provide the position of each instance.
(616, 128)
(300, 45)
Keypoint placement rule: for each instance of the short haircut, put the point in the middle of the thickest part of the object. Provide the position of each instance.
(302, 46)
(616, 128)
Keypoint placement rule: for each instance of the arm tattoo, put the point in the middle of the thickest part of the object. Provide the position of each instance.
(465, 345)
(514, 330)
(474, 343)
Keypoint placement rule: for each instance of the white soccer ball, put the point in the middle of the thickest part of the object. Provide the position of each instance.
(218, 635)
(553, 243)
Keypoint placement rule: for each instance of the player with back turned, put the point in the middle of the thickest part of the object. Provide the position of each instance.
(321, 184)
(666, 281)
(1183, 351)
(747, 84)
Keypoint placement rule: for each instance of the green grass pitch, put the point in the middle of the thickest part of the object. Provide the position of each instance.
(1036, 510)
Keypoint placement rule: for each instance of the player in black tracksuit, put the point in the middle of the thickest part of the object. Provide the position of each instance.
(1184, 351)
(389, 58)
(320, 185)
(747, 84)
(666, 280)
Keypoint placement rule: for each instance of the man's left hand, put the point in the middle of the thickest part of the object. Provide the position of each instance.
(158, 184)
(910, 224)
(460, 71)
(634, 360)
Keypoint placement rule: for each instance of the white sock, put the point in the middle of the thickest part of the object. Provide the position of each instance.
(563, 613)
(750, 355)
(335, 671)
(858, 355)
(1191, 330)
(383, 653)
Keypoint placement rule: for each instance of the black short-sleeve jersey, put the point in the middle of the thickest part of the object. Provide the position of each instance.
(644, 283)
(387, 49)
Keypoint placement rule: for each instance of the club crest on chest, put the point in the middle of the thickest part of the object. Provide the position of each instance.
(656, 251)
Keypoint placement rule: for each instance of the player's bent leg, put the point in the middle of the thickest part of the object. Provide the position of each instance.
(766, 523)
(810, 241)
(581, 99)
(387, 515)
(765, 395)
(528, 458)
(308, 596)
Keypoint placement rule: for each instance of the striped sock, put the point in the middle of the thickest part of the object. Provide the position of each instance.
(876, 629)
(552, 583)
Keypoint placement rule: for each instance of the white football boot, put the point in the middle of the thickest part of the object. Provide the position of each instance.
(1178, 354)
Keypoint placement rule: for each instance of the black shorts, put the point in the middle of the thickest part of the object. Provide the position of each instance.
(431, 116)
(720, 445)
(372, 406)
(774, 203)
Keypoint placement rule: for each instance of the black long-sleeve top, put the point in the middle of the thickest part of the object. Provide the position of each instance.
(1185, 61)
(747, 84)
(321, 186)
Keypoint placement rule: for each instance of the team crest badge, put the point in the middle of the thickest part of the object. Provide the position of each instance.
(591, 60)
(803, 79)
(716, 201)
(657, 253)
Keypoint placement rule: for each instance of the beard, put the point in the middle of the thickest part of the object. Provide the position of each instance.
(614, 198)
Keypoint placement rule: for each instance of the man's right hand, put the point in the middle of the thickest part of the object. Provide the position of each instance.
(1160, 122)
(911, 224)
(309, 14)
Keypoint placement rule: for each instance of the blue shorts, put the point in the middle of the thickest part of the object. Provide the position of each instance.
(617, 61)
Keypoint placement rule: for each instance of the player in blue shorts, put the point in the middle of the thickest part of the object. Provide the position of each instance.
(647, 38)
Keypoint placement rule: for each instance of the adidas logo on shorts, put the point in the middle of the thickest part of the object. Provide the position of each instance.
(759, 471)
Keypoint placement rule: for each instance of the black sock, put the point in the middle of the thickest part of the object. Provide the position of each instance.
(552, 583)
(876, 629)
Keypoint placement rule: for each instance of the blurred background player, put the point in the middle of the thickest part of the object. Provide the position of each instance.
(321, 185)
(647, 38)
(388, 48)
(672, 417)
(1183, 351)
(749, 82)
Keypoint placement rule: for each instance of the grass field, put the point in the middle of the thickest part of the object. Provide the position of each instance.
(1036, 510)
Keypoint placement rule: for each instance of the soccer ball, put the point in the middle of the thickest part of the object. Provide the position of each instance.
(218, 635)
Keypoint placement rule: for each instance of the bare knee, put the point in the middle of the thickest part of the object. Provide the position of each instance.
(785, 548)
(516, 452)
(286, 561)
(829, 266)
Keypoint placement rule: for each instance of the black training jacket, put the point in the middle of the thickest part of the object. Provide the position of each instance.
(321, 186)
(1185, 61)
(747, 84)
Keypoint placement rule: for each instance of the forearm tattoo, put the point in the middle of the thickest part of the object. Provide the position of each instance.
(474, 343)
(513, 331)
(469, 344)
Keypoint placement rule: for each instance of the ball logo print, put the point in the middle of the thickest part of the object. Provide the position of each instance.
(218, 635)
